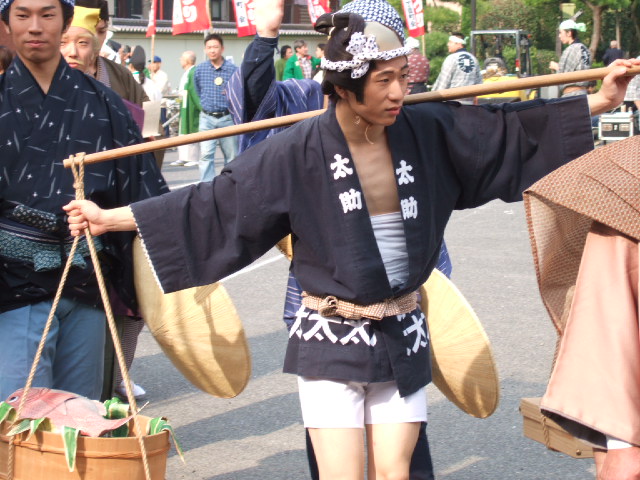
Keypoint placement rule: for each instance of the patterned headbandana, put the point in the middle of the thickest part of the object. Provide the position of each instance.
(4, 4)
(382, 38)
(377, 11)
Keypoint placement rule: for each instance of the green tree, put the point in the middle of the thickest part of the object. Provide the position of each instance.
(621, 26)
(441, 19)
(436, 51)
(482, 7)
(635, 18)
(598, 7)
(507, 14)
(544, 21)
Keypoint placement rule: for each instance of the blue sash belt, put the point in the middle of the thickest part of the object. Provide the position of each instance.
(42, 250)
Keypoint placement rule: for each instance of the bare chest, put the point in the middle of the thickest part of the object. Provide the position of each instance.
(376, 174)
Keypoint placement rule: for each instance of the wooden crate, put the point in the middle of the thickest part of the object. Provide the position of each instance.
(559, 439)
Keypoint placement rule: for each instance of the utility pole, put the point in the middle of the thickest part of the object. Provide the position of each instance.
(473, 14)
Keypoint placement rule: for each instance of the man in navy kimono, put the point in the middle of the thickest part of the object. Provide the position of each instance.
(48, 112)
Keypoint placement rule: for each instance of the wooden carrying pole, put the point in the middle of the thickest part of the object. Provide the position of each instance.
(441, 95)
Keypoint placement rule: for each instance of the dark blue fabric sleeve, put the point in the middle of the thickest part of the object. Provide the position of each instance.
(258, 73)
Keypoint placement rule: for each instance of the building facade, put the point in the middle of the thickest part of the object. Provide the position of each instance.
(130, 18)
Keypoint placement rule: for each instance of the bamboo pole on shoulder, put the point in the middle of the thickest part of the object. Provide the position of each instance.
(441, 95)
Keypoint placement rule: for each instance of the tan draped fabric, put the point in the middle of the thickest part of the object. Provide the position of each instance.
(603, 185)
(592, 299)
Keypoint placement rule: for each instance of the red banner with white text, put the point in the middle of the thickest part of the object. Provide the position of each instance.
(317, 8)
(414, 15)
(190, 16)
(244, 17)
(151, 26)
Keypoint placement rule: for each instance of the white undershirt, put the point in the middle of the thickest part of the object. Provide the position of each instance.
(615, 444)
(389, 232)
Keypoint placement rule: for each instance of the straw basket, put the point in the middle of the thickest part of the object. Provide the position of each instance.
(97, 458)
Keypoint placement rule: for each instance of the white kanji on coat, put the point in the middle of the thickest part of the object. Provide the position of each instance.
(359, 329)
(296, 328)
(417, 328)
(409, 207)
(322, 324)
(403, 173)
(351, 200)
(340, 167)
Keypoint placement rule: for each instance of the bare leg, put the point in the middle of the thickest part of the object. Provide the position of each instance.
(598, 458)
(390, 448)
(339, 452)
(621, 464)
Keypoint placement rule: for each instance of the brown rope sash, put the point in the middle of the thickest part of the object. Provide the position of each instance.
(331, 306)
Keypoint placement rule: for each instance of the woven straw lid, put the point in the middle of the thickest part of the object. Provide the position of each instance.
(462, 362)
(197, 328)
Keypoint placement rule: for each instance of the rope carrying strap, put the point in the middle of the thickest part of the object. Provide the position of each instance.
(78, 174)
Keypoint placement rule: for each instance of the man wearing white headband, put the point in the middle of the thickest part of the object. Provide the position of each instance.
(460, 68)
(366, 190)
(574, 58)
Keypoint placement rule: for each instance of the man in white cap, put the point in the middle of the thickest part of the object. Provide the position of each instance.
(159, 76)
(574, 58)
(460, 68)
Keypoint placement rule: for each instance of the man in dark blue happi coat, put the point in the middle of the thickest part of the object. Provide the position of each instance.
(255, 94)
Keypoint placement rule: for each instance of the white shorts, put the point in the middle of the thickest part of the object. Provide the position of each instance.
(341, 404)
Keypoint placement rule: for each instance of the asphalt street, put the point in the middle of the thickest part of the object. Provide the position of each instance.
(259, 435)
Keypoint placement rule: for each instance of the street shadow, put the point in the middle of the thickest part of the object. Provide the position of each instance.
(468, 448)
(254, 419)
(287, 465)
(267, 352)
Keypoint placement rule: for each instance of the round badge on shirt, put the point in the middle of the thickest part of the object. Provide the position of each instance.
(218, 81)
(466, 63)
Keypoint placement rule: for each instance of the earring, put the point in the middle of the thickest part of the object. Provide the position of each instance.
(356, 120)
(366, 130)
